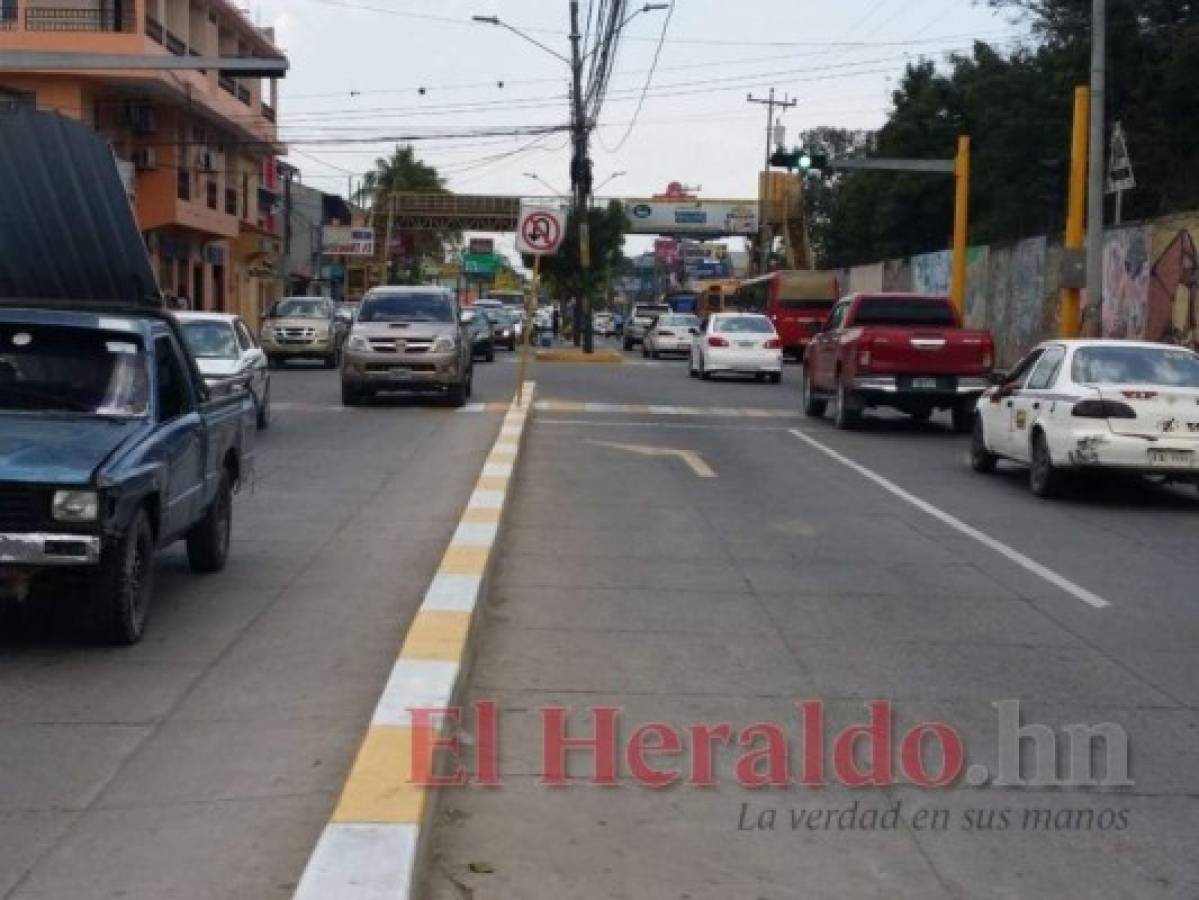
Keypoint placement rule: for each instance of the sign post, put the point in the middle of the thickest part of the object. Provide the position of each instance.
(539, 233)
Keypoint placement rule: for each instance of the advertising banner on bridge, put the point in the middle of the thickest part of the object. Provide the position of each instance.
(343, 241)
(698, 217)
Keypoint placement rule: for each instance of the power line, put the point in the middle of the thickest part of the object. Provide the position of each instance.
(648, 82)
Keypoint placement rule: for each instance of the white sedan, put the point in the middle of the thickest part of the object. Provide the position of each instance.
(225, 351)
(670, 334)
(1094, 405)
(737, 344)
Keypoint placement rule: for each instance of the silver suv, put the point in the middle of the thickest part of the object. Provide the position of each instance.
(641, 320)
(407, 339)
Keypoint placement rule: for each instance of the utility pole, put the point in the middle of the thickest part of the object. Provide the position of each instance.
(1092, 322)
(580, 182)
(765, 235)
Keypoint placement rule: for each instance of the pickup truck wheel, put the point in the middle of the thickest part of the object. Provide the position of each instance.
(1044, 478)
(628, 345)
(208, 541)
(963, 418)
(456, 396)
(981, 459)
(331, 361)
(845, 415)
(121, 593)
(490, 357)
(264, 410)
(350, 395)
(776, 377)
(813, 406)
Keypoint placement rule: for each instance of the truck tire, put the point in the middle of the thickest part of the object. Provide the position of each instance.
(350, 395)
(457, 394)
(846, 417)
(963, 418)
(814, 407)
(120, 596)
(331, 361)
(208, 540)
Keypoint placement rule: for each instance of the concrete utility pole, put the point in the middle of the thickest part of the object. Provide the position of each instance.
(765, 235)
(580, 182)
(1092, 320)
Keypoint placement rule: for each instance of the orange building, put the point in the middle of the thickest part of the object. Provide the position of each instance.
(197, 149)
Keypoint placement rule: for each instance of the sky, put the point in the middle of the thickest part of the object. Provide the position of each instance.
(366, 72)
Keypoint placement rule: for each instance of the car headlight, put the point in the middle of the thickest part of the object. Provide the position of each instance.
(75, 506)
(445, 343)
(358, 342)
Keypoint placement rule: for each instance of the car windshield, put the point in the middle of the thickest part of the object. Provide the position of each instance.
(413, 307)
(904, 311)
(500, 316)
(1162, 367)
(299, 309)
(210, 340)
(678, 322)
(48, 369)
(745, 325)
(652, 312)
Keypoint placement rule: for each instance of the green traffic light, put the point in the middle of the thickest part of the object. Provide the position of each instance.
(805, 162)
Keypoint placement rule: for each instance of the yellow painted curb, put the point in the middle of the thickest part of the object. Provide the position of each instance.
(437, 635)
(480, 516)
(378, 788)
(492, 483)
(602, 357)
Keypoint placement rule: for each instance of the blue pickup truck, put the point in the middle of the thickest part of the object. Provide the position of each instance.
(111, 444)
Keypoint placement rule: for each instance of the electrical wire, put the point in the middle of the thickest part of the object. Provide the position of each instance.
(648, 82)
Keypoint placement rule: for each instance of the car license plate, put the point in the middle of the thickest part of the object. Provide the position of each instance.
(1172, 457)
(401, 374)
(746, 345)
(924, 384)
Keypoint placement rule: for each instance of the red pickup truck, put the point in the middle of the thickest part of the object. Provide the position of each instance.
(905, 351)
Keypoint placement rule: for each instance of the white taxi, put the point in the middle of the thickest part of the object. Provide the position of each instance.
(1093, 405)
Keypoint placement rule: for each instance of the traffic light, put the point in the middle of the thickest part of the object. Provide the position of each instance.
(801, 159)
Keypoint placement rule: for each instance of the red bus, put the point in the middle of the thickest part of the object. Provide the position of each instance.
(797, 302)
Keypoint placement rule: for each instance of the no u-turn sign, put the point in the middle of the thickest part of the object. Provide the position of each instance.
(540, 230)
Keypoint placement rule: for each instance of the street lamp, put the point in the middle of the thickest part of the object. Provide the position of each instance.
(609, 180)
(557, 193)
(495, 20)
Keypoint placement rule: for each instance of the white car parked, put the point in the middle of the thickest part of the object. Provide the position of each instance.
(1094, 405)
(670, 334)
(737, 344)
(225, 351)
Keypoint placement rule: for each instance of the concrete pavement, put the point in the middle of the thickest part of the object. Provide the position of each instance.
(204, 762)
(626, 581)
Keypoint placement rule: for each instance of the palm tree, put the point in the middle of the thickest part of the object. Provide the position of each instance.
(402, 171)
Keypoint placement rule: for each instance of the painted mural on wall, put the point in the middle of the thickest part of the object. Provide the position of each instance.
(1126, 283)
(897, 275)
(1173, 291)
(931, 272)
(977, 307)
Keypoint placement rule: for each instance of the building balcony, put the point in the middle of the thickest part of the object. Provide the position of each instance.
(76, 19)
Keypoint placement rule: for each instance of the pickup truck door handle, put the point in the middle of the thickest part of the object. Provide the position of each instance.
(1036, 406)
(1009, 404)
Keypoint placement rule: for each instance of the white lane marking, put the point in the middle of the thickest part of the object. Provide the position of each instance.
(453, 593)
(498, 470)
(692, 459)
(415, 684)
(360, 862)
(475, 534)
(1024, 562)
(679, 426)
(486, 500)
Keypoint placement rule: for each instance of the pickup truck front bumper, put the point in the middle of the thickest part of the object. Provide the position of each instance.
(40, 549)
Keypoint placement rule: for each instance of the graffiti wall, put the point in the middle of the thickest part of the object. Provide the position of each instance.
(1173, 291)
(866, 279)
(977, 306)
(897, 275)
(1150, 285)
(931, 272)
(1126, 282)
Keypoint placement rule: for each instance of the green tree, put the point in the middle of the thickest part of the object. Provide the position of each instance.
(562, 272)
(404, 172)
